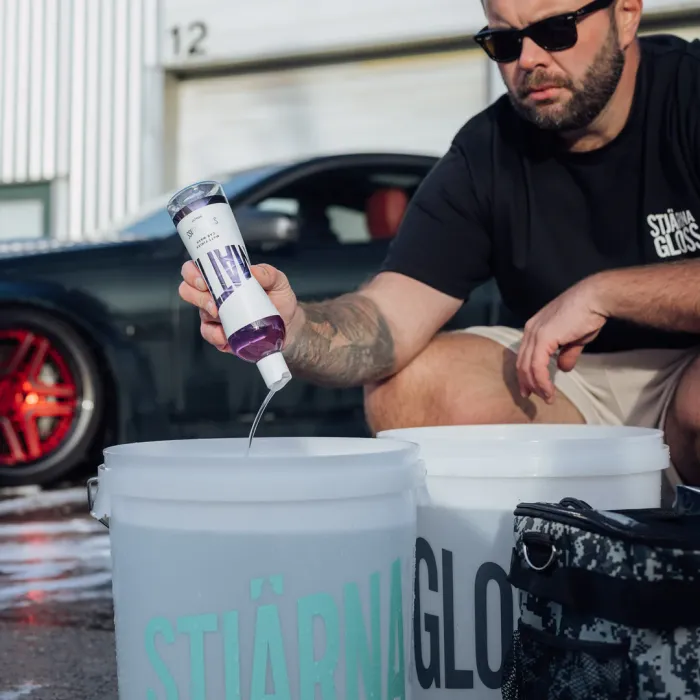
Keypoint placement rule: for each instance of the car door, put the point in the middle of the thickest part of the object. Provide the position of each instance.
(334, 254)
(339, 247)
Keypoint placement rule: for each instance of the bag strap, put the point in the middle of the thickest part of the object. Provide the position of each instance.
(663, 605)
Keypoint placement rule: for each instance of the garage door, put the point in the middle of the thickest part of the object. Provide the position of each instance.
(404, 104)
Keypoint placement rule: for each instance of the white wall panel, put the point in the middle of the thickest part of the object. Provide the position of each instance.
(22, 95)
(208, 32)
(413, 104)
(9, 70)
(76, 79)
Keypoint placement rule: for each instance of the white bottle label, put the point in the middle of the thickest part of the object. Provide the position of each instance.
(214, 241)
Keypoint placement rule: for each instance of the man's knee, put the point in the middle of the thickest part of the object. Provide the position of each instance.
(403, 399)
(460, 379)
(443, 385)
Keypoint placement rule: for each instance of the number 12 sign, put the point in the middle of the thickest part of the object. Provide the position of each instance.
(216, 32)
(200, 33)
(188, 40)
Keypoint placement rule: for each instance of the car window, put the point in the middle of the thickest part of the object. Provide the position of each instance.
(332, 207)
(280, 205)
(348, 225)
(153, 219)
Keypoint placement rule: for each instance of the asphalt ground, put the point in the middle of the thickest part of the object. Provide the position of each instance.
(56, 615)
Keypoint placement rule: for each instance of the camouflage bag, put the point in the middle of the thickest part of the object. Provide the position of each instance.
(609, 604)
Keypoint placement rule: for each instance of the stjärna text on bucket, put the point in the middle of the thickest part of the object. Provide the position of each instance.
(374, 663)
(370, 665)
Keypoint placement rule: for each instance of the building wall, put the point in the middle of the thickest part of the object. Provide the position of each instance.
(402, 104)
(321, 77)
(77, 114)
(204, 34)
(83, 121)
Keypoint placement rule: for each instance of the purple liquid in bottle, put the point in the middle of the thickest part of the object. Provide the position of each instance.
(204, 221)
(258, 339)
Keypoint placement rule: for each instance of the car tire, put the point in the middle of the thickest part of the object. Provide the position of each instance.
(51, 398)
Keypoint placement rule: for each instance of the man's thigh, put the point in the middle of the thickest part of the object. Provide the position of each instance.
(584, 388)
(624, 388)
(488, 360)
(460, 379)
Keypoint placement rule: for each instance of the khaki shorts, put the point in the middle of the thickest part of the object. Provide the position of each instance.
(624, 388)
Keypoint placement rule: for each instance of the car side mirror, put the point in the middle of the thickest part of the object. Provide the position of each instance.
(266, 230)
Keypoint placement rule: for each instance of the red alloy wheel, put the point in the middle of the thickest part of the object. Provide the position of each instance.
(39, 397)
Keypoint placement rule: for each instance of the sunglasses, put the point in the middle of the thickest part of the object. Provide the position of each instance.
(556, 33)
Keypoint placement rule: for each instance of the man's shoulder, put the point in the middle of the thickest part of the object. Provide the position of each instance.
(670, 46)
(495, 123)
(673, 75)
(672, 56)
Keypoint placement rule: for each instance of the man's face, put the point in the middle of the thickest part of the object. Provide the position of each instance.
(561, 90)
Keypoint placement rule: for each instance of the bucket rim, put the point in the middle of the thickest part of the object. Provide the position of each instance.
(159, 470)
(467, 452)
(576, 431)
(166, 450)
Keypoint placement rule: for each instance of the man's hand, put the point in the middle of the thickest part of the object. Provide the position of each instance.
(194, 291)
(565, 326)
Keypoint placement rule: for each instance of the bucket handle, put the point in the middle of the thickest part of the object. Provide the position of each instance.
(93, 485)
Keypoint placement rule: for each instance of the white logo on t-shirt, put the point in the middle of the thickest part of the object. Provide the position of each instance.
(674, 233)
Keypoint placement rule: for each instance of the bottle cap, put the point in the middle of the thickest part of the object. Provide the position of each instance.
(274, 371)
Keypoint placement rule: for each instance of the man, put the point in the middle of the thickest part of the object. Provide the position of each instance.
(579, 191)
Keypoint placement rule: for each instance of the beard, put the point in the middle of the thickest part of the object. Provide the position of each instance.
(588, 99)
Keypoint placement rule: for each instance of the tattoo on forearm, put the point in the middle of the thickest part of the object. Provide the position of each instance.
(344, 342)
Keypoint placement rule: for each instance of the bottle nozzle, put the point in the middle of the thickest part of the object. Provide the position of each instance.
(274, 371)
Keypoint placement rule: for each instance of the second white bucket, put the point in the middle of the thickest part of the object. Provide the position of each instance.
(465, 609)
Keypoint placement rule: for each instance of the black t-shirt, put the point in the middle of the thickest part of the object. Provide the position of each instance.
(506, 201)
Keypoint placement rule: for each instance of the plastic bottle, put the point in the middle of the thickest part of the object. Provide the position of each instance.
(255, 330)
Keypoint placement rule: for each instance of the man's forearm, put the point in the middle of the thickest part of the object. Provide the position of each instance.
(343, 342)
(665, 296)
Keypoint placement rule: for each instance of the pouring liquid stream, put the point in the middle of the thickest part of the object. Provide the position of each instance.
(259, 415)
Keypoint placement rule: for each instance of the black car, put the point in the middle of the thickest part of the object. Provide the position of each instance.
(97, 348)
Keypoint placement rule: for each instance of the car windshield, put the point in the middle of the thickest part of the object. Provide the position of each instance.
(153, 219)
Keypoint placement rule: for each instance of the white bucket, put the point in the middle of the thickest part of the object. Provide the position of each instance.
(476, 476)
(286, 574)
